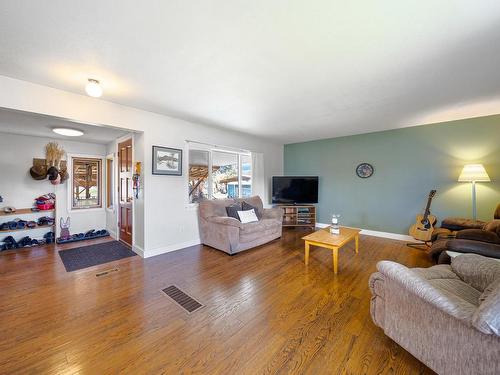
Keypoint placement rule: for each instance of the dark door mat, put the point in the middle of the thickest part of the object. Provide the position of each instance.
(92, 255)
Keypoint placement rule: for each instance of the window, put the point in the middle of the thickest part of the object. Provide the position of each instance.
(86, 183)
(224, 175)
(198, 175)
(218, 174)
(109, 182)
(246, 176)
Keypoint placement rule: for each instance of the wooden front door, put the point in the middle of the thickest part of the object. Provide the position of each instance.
(125, 194)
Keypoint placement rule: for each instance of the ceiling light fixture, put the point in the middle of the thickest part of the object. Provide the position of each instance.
(68, 132)
(93, 88)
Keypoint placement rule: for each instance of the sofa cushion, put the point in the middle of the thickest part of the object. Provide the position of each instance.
(459, 223)
(486, 249)
(476, 270)
(489, 289)
(256, 202)
(259, 226)
(441, 271)
(478, 235)
(487, 317)
(458, 288)
(232, 210)
(215, 207)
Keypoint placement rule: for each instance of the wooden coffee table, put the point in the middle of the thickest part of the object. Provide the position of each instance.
(334, 242)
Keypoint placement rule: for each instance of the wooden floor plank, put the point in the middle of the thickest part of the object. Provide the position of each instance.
(264, 312)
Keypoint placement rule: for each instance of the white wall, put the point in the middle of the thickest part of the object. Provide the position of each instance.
(19, 189)
(163, 222)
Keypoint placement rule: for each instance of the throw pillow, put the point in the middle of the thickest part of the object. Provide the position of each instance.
(247, 216)
(247, 206)
(232, 210)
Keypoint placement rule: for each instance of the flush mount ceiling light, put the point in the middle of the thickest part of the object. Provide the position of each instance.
(93, 88)
(68, 132)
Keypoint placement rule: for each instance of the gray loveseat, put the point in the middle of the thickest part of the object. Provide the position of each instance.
(229, 234)
(448, 316)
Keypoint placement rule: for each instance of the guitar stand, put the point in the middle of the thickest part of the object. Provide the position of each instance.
(419, 245)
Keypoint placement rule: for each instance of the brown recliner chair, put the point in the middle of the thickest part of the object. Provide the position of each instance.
(451, 225)
(483, 239)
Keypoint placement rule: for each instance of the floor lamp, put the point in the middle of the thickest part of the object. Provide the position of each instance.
(474, 173)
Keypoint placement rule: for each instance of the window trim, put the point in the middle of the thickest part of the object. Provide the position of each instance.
(70, 207)
(194, 145)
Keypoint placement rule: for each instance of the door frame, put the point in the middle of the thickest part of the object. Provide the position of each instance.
(114, 192)
(115, 174)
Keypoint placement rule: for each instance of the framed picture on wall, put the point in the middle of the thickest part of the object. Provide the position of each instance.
(167, 161)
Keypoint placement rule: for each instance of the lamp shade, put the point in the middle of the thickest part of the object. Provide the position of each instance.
(474, 172)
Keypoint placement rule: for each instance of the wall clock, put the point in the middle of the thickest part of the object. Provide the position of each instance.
(364, 170)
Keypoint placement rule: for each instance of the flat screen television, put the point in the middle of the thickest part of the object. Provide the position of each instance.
(295, 189)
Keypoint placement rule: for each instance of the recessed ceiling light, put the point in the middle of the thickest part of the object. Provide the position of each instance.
(93, 88)
(68, 132)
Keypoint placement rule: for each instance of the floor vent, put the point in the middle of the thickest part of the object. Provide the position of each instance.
(186, 302)
(107, 272)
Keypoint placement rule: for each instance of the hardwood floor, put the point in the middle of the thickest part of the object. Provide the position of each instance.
(265, 312)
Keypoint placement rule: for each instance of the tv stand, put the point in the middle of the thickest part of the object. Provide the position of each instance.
(299, 215)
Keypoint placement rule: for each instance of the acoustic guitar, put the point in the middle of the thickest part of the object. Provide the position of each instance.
(424, 225)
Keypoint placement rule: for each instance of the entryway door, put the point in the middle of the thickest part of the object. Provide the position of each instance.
(125, 194)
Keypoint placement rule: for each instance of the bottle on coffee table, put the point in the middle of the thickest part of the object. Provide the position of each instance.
(335, 228)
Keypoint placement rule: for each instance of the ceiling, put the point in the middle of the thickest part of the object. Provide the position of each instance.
(287, 70)
(23, 123)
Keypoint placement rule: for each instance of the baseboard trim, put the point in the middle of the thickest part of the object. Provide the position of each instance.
(170, 248)
(375, 233)
(182, 245)
(113, 234)
(138, 250)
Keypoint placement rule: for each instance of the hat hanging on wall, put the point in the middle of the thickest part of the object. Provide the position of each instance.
(64, 175)
(38, 172)
(52, 166)
(57, 180)
(52, 172)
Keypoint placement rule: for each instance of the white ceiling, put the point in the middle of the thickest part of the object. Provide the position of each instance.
(23, 123)
(290, 70)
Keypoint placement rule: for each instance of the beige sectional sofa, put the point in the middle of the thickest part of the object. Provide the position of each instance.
(447, 316)
(229, 234)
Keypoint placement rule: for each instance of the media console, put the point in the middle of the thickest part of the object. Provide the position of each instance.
(299, 215)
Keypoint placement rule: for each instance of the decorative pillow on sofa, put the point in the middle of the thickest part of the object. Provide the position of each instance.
(232, 210)
(247, 206)
(247, 216)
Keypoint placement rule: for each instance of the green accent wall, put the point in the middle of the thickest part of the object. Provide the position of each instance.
(408, 163)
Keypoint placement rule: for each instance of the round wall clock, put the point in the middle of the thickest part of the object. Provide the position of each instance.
(364, 170)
